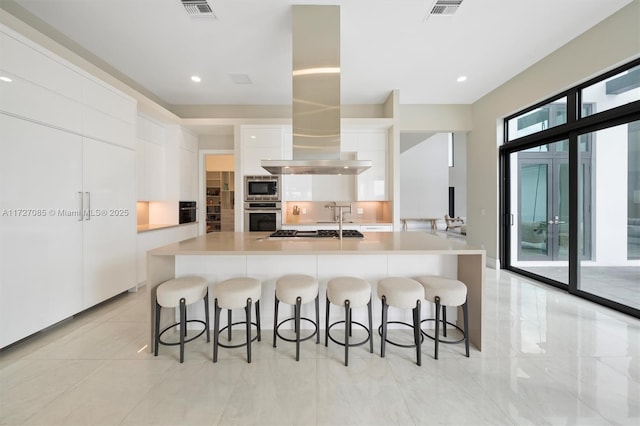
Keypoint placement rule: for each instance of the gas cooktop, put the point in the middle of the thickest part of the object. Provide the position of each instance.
(320, 233)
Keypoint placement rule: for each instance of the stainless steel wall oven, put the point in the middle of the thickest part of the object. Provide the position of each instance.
(187, 212)
(262, 216)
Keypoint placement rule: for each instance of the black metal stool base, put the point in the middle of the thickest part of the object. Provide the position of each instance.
(302, 339)
(413, 345)
(446, 341)
(239, 345)
(169, 327)
(366, 339)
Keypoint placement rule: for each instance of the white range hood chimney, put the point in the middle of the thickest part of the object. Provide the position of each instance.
(316, 96)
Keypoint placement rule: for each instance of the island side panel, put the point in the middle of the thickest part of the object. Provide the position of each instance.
(471, 272)
(160, 268)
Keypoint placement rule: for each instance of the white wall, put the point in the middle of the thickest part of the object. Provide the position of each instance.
(612, 42)
(424, 179)
(215, 142)
(610, 189)
(458, 173)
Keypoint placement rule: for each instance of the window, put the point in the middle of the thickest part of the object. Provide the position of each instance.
(612, 92)
(538, 119)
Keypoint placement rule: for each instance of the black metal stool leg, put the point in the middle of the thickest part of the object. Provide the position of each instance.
(297, 326)
(216, 329)
(248, 313)
(275, 320)
(326, 322)
(417, 333)
(385, 307)
(465, 315)
(444, 321)
(437, 333)
(157, 332)
(258, 320)
(318, 318)
(206, 315)
(183, 327)
(229, 324)
(370, 327)
(347, 330)
(185, 315)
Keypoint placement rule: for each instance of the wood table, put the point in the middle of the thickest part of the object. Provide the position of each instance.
(433, 220)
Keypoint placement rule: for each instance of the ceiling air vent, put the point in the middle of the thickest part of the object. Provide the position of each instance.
(198, 8)
(445, 7)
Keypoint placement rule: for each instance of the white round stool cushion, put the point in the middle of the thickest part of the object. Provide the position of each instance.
(290, 287)
(192, 289)
(400, 292)
(451, 292)
(356, 290)
(233, 293)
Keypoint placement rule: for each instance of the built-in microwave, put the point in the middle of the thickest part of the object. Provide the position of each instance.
(262, 188)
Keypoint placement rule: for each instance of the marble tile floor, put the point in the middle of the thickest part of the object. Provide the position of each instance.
(550, 358)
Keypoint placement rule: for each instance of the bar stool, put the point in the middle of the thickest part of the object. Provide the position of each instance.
(402, 293)
(178, 293)
(232, 294)
(446, 292)
(296, 290)
(350, 292)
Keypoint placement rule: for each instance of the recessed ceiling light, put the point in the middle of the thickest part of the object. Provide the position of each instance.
(461, 78)
(195, 79)
(6, 79)
(252, 136)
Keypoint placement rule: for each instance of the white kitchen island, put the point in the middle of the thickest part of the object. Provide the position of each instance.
(218, 256)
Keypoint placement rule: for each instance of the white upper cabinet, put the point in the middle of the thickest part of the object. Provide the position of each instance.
(188, 166)
(47, 89)
(150, 158)
(372, 184)
(260, 142)
(42, 89)
(107, 115)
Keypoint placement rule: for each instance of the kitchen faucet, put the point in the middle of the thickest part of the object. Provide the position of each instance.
(338, 213)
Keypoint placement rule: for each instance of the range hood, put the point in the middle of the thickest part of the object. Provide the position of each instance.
(316, 97)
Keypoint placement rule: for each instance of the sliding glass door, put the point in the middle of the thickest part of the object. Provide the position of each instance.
(570, 190)
(614, 271)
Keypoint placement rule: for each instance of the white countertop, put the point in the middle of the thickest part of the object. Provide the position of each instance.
(155, 227)
(260, 243)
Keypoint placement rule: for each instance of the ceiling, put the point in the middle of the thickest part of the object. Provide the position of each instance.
(156, 47)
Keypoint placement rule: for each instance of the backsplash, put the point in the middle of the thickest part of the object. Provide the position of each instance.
(315, 211)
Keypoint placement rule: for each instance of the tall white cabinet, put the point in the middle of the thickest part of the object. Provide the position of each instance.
(40, 252)
(109, 237)
(67, 190)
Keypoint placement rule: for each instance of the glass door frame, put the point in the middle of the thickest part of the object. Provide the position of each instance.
(554, 218)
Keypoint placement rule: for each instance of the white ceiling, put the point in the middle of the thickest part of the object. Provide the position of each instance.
(385, 45)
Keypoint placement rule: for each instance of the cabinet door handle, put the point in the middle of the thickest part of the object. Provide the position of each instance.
(88, 205)
(81, 211)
